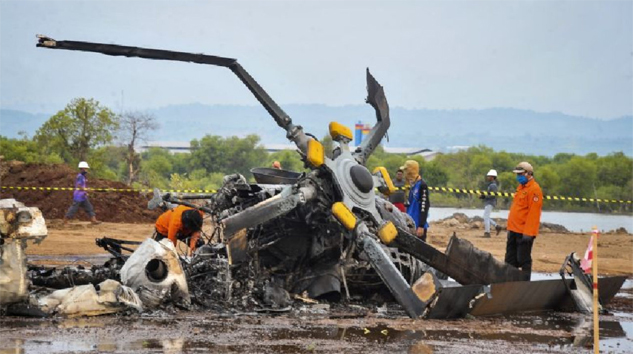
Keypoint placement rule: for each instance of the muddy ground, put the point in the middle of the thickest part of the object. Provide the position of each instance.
(326, 328)
(323, 331)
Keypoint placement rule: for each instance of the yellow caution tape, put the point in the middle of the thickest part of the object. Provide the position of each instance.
(111, 189)
(511, 195)
(438, 189)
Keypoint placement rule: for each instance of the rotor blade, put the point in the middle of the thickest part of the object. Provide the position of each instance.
(392, 278)
(463, 262)
(293, 132)
(376, 98)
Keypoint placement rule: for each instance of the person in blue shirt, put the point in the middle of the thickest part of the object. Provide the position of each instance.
(80, 196)
(419, 202)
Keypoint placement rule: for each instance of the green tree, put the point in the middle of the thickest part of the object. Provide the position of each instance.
(435, 175)
(135, 127)
(227, 155)
(578, 176)
(156, 168)
(614, 169)
(289, 160)
(25, 150)
(502, 162)
(548, 179)
(81, 126)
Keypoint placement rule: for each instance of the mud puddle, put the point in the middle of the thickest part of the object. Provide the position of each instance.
(226, 333)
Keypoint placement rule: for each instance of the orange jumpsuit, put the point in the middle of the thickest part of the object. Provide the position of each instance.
(525, 213)
(170, 224)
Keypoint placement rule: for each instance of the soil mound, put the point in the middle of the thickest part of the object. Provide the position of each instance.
(128, 207)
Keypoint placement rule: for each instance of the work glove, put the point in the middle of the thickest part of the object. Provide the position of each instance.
(481, 196)
(526, 239)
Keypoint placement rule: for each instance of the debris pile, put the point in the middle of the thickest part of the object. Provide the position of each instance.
(128, 207)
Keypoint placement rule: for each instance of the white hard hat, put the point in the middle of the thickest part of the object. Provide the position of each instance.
(83, 164)
(492, 173)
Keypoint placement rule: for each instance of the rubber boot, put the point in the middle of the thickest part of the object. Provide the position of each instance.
(498, 229)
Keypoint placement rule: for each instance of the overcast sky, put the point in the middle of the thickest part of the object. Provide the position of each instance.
(575, 57)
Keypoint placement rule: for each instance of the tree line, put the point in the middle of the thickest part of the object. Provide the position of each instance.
(85, 130)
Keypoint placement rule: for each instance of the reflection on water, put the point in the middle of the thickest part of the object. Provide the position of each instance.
(577, 222)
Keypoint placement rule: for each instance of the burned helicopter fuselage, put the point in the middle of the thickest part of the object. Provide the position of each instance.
(305, 249)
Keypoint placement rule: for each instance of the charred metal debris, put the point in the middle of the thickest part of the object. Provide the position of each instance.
(322, 235)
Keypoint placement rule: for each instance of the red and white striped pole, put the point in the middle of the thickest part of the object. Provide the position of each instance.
(594, 270)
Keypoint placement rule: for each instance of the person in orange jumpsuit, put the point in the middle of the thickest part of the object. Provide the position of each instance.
(180, 223)
(524, 220)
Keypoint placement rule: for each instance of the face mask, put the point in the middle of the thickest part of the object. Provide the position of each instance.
(84, 172)
(522, 179)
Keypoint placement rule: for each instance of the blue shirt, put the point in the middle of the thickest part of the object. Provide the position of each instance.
(419, 204)
(80, 195)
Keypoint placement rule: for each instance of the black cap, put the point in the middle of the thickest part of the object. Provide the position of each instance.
(192, 220)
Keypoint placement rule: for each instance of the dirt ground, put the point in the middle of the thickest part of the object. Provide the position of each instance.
(615, 251)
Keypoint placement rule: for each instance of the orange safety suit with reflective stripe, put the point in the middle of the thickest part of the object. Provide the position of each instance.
(525, 213)
(170, 223)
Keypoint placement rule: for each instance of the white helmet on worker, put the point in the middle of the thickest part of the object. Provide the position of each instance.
(492, 173)
(83, 164)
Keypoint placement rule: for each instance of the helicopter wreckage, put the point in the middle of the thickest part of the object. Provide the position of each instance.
(322, 235)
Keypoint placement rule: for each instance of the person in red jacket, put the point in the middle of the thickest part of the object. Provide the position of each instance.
(180, 223)
(524, 220)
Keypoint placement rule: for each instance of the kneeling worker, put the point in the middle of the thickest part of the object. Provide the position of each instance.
(180, 223)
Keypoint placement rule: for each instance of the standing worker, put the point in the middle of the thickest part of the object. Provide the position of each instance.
(397, 198)
(524, 220)
(419, 202)
(180, 223)
(490, 201)
(80, 196)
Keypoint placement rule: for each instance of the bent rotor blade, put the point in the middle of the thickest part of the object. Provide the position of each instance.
(392, 278)
(376, 98)
(462, 261)
(293, 132)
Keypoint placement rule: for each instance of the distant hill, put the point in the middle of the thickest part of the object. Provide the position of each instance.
(507, 129)
(12, 122)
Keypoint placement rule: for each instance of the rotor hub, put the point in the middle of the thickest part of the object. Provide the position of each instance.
(361, 178)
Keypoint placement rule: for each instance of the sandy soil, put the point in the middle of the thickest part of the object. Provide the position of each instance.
(615, 251)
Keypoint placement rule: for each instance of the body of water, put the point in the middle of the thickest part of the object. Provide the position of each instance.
(577, 222)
